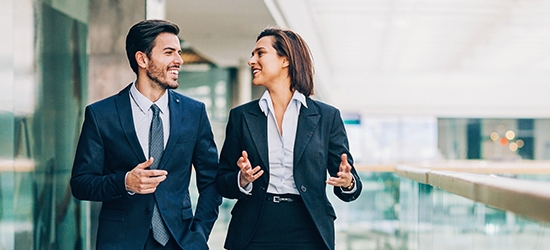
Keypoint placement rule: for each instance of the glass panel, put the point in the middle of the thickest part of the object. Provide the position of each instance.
(8, 225)
(44, 72)
(56, 215)
(371, 221)
(431, 218)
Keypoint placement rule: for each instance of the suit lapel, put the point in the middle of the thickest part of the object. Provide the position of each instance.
(307, 122)
(176, 122)
(256, 123)
(124, 110)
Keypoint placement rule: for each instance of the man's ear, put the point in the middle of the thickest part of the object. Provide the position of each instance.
(142, 59)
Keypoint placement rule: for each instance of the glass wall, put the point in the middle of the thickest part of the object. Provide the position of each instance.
(44, 83)
(396, 139)
(494, 139)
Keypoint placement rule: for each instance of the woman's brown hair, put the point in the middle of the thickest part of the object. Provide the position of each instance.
(291, 45)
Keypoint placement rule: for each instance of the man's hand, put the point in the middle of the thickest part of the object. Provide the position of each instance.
(248, 174)
(344, 178)
(144, 181)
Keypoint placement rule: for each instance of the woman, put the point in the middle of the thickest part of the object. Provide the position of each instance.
(277, 153)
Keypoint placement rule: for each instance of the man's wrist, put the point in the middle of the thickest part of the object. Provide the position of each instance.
(126, 186)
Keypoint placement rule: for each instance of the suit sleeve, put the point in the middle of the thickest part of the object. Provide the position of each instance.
(87, 179)
(205, 162)
(338, 145)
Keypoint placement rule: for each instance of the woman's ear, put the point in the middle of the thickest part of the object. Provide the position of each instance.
(285, 62)
(142, 59)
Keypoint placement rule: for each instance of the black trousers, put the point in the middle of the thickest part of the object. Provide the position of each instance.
(286, 225)
(152, 244)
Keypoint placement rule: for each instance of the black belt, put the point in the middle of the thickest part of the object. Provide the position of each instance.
(288, 198)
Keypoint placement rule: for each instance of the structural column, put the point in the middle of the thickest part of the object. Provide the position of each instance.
(244, 78)
(109, 70)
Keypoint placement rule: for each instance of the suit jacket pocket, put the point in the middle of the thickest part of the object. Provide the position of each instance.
(112, 214)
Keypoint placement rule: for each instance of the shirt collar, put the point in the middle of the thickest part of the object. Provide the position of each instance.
(266, 104)
(144, 103)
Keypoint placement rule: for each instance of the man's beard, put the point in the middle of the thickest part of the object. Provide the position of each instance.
(155, 73)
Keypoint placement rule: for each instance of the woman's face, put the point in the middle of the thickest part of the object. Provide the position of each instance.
(267, 66)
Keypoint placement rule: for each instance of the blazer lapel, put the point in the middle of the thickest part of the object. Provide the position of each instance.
(307, 122)
(176, 122)
(256, 122)
(124, 110)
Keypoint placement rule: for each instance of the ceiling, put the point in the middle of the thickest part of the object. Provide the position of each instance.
(220, 30)
(457, 58)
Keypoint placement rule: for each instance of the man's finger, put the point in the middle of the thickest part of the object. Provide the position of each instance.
(146, 163)
(152, 180)
(155, 173)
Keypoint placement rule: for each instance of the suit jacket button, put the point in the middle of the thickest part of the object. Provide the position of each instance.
(148, 211)
(304, 189)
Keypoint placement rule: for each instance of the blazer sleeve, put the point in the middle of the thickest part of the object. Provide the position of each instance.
(227, 177)
(205, 163)
(338, 144)
(88, 182)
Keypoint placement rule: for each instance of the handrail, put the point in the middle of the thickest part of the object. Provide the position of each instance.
(524, 197)
(470, 166)
(16, 165)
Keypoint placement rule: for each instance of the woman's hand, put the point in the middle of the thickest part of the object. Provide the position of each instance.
(248, 174)
(345, 177)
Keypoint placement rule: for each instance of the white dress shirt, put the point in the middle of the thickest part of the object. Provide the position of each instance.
(281, 146)
(142, 114)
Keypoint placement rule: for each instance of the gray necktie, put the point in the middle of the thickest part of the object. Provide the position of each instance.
(156, 149)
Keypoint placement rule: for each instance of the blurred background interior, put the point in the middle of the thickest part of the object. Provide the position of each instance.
(445, 104)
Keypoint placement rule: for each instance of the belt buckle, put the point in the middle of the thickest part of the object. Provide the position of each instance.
(276, 199)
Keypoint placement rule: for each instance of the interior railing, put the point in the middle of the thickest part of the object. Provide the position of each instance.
(450, 205)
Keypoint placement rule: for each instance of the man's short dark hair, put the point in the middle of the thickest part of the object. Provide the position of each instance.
(141, 37)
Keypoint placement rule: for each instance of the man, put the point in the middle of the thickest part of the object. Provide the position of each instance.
(136, 150)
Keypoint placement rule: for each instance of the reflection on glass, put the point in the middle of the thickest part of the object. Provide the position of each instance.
(39, 132)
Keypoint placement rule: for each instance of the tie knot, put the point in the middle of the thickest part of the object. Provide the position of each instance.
(155, 110)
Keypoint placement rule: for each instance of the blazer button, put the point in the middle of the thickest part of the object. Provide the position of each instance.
(148, 210)
(304, 189)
